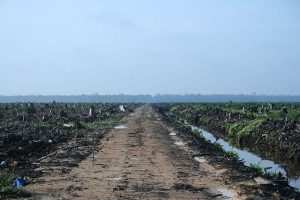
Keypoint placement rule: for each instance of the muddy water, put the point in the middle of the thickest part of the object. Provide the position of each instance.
(248, 157)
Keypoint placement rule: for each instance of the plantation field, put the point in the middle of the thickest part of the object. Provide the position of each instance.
(134, 151)
(273, 128)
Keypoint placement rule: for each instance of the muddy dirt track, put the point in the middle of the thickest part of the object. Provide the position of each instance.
(141, 161)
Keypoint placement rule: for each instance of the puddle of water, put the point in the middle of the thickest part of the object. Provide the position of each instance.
(172, 133)
(226, 193)
(179, 143)
(114, 179)
(200, 159)
(121, 127)
(248, 157)
(177, 140)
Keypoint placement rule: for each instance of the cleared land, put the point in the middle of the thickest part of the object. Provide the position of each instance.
(148, 156)
(141, 161)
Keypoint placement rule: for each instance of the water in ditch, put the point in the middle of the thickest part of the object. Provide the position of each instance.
(248, 157)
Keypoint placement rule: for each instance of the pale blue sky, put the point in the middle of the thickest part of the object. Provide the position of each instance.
(148, 47)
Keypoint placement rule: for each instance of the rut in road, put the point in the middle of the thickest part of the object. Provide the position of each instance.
(140, 161)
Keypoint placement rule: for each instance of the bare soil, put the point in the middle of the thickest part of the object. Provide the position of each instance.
(142, 161)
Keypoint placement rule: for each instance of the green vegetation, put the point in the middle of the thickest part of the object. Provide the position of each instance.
(247, 124)
(240, 130)
(268, 129)
(110, 121)
(296, 190)
(6, 185)
(218, 147)
(270, 175)
(198, 134)
(261, 110)
(257, 169)
(232, 155)
(44, 125)
(183, 126)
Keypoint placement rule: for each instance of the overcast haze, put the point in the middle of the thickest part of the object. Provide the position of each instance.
(149, 47)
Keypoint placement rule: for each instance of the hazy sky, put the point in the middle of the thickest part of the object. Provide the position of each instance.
(153, 46)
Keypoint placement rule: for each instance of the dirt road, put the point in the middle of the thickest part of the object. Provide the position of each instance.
(144, 159)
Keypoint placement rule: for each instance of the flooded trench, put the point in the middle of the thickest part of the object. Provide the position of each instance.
(248, 157)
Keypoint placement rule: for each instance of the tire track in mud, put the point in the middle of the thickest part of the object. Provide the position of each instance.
(138, 162)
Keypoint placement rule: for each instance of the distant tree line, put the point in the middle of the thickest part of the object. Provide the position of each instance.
(149, 98)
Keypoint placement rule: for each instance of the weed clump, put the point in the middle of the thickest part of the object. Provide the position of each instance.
(234, 156)
(7, 189)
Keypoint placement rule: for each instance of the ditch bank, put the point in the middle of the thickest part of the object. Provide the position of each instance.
(268, 185)
(277, 140)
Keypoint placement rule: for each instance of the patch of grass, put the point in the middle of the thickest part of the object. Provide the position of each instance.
(173, 109)
(276, 115)
(257, 169)
(44, 125)
(185, 113)
(6, 179)
(183, 126)
(6, 185)
(232, 155)
(218, 147)
(205, 120)
(75, 133)
(110, 121)
(294, 114)
(274, 176)
(198, 134)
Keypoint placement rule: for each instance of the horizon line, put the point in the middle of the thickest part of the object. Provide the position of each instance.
(157, 94)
